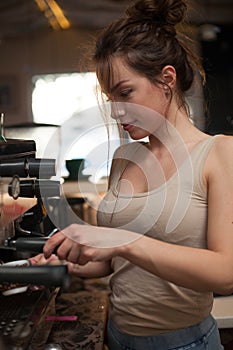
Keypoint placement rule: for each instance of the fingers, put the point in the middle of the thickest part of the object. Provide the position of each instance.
(52, 243)
(73, 252)
(73, 245)
(36, 259)
(66, 249)
(41, 260)
(79, 255)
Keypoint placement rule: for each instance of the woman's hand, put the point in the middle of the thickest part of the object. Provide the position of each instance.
(41, 260)
(52, 260)
(80, 244)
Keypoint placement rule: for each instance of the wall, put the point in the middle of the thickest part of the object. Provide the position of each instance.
(49, 52)
(65, 51)
(45, 52)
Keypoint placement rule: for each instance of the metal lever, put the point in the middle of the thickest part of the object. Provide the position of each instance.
(32, 244)
(29, 243)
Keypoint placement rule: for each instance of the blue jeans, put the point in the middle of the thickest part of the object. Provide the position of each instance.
(202, 336)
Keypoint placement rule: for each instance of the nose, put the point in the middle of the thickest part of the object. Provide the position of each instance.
(117, 110)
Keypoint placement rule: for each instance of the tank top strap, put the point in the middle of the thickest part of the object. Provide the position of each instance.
(201, 151)
(198, 157)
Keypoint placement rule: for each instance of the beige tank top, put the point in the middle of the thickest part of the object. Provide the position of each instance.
(176, 212)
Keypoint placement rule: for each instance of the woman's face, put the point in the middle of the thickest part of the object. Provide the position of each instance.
(138, 104)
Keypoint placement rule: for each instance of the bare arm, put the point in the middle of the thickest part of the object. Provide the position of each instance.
(91, 269)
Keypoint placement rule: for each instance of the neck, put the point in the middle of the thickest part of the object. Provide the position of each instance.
(176, 129)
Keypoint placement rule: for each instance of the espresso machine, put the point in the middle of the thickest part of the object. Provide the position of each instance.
(24, 229)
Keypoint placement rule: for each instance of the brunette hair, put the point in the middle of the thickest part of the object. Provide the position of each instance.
(147, 39)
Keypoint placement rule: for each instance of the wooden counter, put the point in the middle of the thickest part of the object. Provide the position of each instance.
(88, 331)
(88, 300)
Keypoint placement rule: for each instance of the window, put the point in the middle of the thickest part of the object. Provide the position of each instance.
(70, 102)
(56, 97)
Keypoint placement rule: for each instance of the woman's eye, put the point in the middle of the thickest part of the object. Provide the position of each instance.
(125, 93)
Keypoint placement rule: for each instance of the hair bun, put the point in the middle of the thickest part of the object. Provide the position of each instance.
(169, 12)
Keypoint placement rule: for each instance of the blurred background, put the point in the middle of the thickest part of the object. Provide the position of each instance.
(45, 48)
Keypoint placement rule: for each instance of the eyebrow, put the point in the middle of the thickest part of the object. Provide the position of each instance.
(117, 85)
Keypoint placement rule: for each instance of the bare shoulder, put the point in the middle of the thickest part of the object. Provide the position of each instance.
(223, 146)
(126, 150)
(220, 159)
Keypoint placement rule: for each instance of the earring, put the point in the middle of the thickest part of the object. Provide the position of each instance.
(167, 90)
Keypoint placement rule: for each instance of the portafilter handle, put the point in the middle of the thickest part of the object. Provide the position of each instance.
(46, 275)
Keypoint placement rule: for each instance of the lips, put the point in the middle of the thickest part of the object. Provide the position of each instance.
(127, 127)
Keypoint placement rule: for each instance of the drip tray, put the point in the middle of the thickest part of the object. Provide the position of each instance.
(20, 315)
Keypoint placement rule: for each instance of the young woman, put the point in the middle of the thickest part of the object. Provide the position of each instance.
(165, 227)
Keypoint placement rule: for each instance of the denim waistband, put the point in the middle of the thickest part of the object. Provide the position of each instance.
(168, 340)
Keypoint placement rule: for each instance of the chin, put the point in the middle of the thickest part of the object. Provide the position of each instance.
(138, 135)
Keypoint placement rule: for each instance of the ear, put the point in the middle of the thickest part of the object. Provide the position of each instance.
(168, 76)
